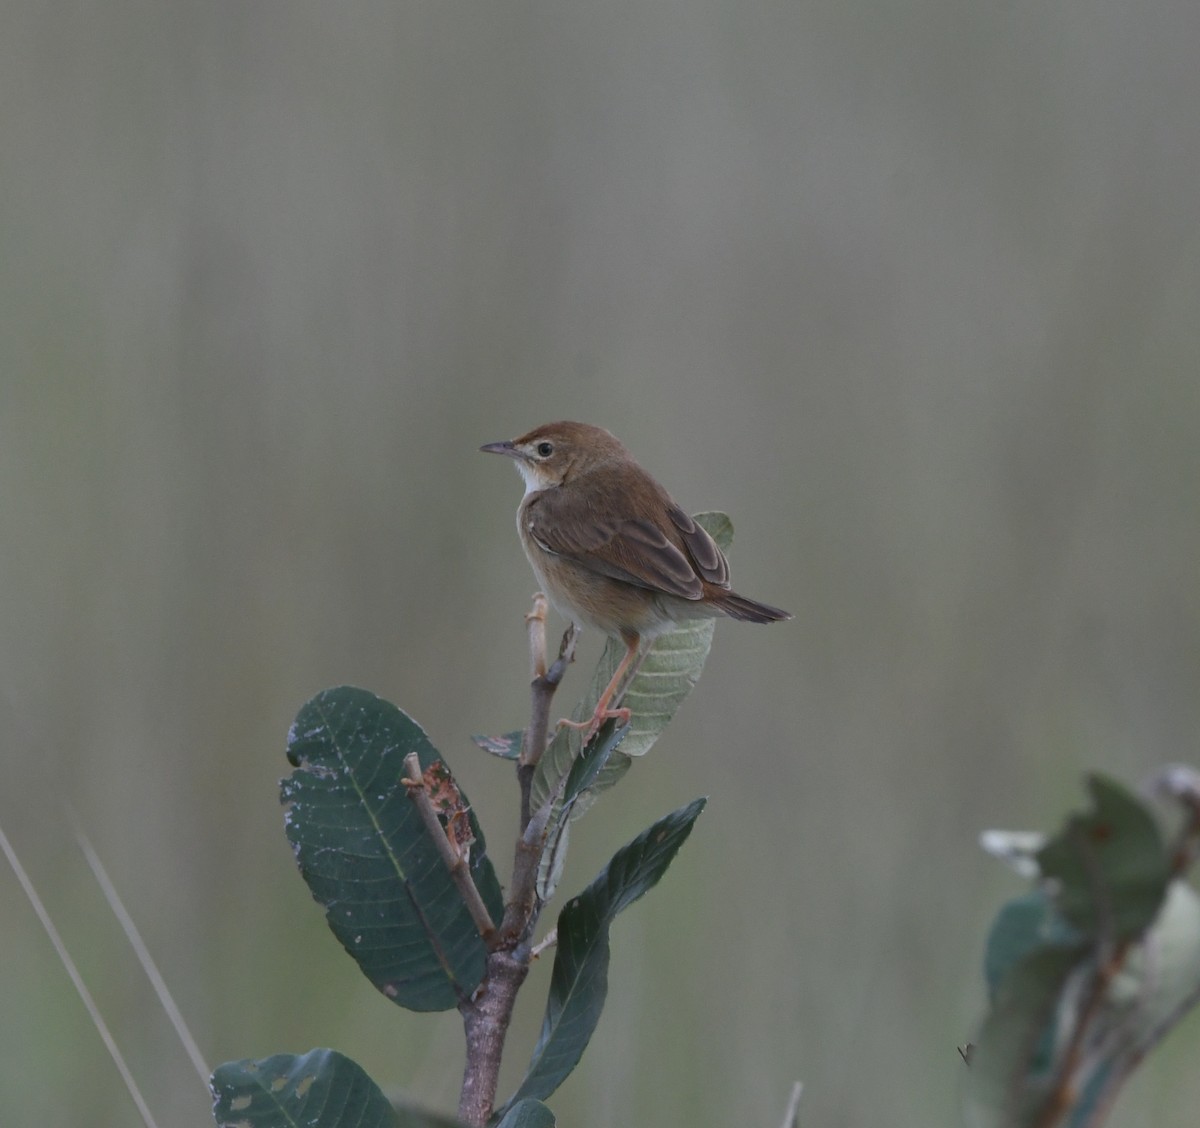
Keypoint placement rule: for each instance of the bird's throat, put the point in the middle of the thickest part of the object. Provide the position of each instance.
(529, 474)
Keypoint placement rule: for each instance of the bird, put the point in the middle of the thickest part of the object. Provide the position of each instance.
(612, 549)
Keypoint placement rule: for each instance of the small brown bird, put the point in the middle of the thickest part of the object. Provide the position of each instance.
(611, 548)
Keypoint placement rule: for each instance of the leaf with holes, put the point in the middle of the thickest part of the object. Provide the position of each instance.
(320, 1089)
(507, 747)
(367, 857)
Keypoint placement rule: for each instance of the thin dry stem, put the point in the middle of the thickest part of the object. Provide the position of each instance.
(536, 619)
(541, 693)
(547, 941)
(165, 999)
(1110, 959)
(543, 686)
(793, 1106)
(56, 940)
(456, 862)
(1064, 1093)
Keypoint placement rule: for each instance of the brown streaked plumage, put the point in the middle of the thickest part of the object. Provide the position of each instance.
(611, 548)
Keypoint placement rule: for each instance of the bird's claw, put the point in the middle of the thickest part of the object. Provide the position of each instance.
(592, 726)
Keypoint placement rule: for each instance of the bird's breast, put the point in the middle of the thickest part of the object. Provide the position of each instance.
(590, 598)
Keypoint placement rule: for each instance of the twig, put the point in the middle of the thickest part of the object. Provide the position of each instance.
(541, 693)
(524, 904)
(793, 1106)
(1063, 1093)
(487, 1015)
(520, 914)
(1110, 958)
(537, 635)
(543, 686)
(547, 941)
(456, 863)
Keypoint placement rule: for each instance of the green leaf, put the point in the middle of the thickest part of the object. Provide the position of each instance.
(593, 760)
(1164, 970)
(1106, 918)
(367, 857)
(507, 747)
(579, 981)
(667, 675)
(527, 1114)
(1011, 1062)
(1023, 925)
(1035, 1006)
(1110, 864)
(319, 1089)
(582, 775)
(1030, 952)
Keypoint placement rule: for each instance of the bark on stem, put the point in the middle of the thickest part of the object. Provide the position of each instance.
(487, 1014)
(541, 693)
(486, 1019)
(456, 863)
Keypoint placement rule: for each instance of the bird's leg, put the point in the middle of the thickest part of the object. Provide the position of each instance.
(603, 711)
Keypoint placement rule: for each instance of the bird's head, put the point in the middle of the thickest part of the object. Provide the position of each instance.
(554, 453)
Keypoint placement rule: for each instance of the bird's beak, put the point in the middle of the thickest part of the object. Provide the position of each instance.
(505, 447)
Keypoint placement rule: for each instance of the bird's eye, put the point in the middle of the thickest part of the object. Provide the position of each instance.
(545, 450)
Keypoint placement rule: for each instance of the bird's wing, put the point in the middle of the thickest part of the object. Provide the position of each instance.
(672, 557)
(706, 557)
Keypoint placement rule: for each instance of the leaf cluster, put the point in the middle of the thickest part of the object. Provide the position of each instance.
(391, 877)
(1090, 968)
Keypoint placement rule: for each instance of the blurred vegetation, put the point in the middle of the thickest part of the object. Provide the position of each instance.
(909, 291)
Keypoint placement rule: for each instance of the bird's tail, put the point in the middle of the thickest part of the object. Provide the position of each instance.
(748, 610)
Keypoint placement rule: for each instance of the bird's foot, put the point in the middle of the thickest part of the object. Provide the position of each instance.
(591, 726)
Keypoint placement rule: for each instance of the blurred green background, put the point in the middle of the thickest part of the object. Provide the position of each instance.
(911, 291)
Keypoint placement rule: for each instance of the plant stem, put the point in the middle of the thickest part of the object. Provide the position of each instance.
(541, 692)
(487, 1014)
(1181, 784)
(1064, 1092)
(456, 863)
(485, 1020)
(536, 621)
